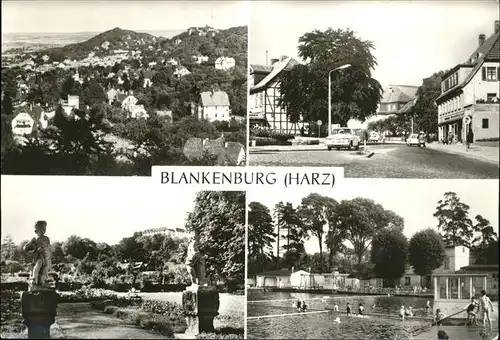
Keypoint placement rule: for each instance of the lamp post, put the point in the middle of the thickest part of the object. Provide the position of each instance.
(330, 95)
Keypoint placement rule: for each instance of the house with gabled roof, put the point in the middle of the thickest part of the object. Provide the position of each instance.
(224, 63)
(27, 118)
(471, 89)
(265, 84)
(214, 105)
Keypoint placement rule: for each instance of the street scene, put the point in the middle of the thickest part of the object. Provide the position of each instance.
(371, 259)
(86, 90)
(326, 89)
(111, 272)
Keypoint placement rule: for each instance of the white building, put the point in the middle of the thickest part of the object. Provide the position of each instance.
(176, 233)
(214, 106)
(27, 118)
(471, 90)
(224, 63)
(71, 104)
(138, 112)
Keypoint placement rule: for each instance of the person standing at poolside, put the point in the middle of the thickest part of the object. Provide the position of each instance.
(348, 309)
(487, 309)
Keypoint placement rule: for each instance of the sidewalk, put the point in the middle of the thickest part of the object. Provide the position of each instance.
(482, 153)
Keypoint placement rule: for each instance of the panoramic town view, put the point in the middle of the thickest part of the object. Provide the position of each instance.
(128, 95)
(334, 84)
(362, 261)
(121, 273)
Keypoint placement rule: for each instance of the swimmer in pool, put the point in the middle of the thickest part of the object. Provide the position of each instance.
(335, 307)
(361, 310)
(402, 313)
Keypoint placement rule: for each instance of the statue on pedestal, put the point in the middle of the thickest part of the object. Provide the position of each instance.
(40, 246)
(39, 303)
(200, 302)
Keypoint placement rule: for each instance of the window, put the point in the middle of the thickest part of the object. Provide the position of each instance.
(447, 264)
(407, 281)
(490, 97)
(485, 123)
(489, 73)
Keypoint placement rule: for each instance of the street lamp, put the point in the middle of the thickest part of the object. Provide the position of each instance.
(330, 95)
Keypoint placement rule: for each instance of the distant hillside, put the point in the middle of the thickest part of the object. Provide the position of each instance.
(116, 38)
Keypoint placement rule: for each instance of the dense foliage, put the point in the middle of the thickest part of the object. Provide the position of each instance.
(389, 254)
(355, 94)
(219, 218)
(427, 252)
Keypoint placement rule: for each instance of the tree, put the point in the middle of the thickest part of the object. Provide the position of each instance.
(487, 255)
(355, 94)
(7, 108)
(487, 234)
(80, 248)
(427, 252)
(453, 220)
(8, 248)
(219, 219)
(389, 253)
(315, 212)
(362, 219)
(260, 235)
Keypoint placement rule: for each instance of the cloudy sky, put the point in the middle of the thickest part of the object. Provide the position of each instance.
(412, 39)
(105, 209)
(414, 200)
(97, 16)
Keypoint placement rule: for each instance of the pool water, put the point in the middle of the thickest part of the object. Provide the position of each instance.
(322, 325)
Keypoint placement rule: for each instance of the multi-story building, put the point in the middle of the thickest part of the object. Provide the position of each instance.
(471, 90)
(176, 233)
(214, 106)
(264, 97)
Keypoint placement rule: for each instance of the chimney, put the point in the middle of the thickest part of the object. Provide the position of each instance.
(497, 26)
(267, 57)
(274, 61)
(482, 37)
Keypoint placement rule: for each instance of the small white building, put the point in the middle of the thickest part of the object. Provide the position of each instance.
(181, 71)
(139, 112)
(214, 106)
(27, 119)
(224, 63)
(71, 104)
(129, 102)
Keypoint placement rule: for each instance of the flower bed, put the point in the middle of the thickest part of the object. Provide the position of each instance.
(305, 141)
(263, 141)
(87, 295)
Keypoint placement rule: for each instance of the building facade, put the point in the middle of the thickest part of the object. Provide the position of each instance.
(264, 109)
(176, 233)
(471, 90)
(214, 106)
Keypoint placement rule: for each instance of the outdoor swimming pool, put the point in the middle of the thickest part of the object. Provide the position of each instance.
(322, 325)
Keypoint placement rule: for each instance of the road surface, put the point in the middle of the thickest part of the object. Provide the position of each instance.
(389, 161)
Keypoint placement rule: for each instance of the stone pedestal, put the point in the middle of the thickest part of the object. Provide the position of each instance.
(39, 309)
(201, 306)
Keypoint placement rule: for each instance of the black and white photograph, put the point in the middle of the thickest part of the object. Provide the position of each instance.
(376, 259)
(399, 89)
(119, 258)
(113, 87)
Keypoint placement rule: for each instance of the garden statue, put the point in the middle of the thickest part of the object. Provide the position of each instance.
(200, 302)
(39, 303)
(40, 246)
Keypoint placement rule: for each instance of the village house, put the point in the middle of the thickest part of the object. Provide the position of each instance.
(214, 106)
(264, 84)
(71, 104)
(176, 233)
(128, 102)
(111, 94)
(138, 112)
(165, 113)
(181, 71)
(199, 59)
(471, 90)
(224, 63)
(27, 118)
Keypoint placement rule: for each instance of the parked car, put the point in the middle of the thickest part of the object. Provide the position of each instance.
(343, 138)
(374, 137)
(413, 140)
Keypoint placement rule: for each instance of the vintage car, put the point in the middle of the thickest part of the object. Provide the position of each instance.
(413, 140)
(343, 138)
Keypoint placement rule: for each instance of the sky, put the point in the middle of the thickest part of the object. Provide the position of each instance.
(414, 200)
(412, 39)
(99, 16)
(104, 209)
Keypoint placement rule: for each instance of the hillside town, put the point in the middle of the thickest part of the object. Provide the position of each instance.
(126, 84)
(453, 111)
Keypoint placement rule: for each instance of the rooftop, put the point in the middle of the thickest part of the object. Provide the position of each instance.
(217, 98)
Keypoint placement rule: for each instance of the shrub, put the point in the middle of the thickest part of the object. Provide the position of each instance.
(278, 135)
(88, 294)
(15, 286)
(169, 309)
(157, 324)
(110, 309)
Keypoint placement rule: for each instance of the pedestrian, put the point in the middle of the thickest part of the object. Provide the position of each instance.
(470, 138)
(471, 312)
(487, 308)
(421, 139)
(348, 309)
